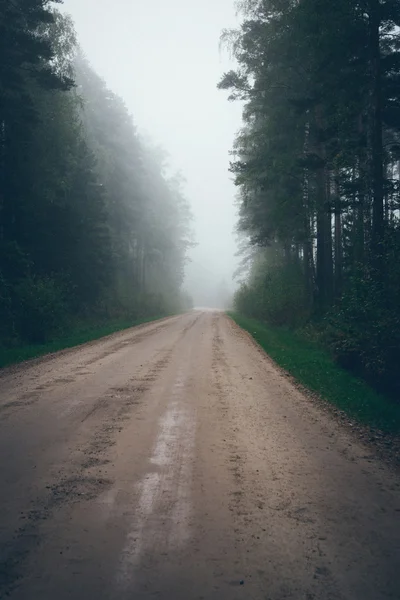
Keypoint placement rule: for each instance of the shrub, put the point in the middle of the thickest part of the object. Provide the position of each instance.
(277, 296)
(363, 329)
(7, 332)
(40, 308)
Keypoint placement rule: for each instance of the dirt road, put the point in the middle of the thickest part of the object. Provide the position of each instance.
(175, 462)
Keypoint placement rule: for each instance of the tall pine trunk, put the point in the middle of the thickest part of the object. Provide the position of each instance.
(376, 128)
(324, 227)
(338, 239)
(308, 256)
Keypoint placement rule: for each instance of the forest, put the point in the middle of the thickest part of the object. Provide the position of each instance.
(317, 168)
(93, 227)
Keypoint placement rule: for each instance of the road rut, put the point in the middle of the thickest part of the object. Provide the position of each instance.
(175, 461)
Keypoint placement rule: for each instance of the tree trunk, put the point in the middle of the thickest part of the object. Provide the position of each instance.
(324, 227)
(328, 239)
(2, 175)
(308, 257)
(376, 138)
(143, 278)
(338, 239)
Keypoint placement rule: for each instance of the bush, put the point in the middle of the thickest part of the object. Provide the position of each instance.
(365, 338)
(277, 297)
(363, 330)
(6, 314)
(40, 308)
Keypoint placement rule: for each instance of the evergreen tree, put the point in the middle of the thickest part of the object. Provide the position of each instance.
(91, 228)
(317, 164)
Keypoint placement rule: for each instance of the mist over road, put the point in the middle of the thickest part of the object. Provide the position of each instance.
(174, 461)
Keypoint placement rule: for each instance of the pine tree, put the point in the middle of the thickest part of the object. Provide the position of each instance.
(317, 161)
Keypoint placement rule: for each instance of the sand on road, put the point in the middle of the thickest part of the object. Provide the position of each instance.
(174, 461)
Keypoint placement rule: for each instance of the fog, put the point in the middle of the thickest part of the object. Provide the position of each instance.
(163, 58)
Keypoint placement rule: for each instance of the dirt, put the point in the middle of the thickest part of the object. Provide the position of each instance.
(175, 461)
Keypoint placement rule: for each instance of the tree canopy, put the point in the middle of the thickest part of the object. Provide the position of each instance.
(91, 224)
(317, 169)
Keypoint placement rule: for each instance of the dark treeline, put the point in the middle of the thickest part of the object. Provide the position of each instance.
(91, 227)
(317, 164)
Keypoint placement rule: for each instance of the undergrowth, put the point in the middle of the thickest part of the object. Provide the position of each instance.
(313, 367)
(78, 335)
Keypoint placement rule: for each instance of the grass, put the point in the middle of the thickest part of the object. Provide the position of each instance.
(79, 335)
(313, 367)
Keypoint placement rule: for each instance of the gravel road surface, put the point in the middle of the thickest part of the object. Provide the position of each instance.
(174, 461)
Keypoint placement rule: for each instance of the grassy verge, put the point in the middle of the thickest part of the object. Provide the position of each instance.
(79, 335)
(313, 367)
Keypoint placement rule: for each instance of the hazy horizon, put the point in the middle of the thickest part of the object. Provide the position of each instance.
(165, 62)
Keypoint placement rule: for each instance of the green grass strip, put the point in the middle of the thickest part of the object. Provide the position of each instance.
(79, 335)
(313, 367)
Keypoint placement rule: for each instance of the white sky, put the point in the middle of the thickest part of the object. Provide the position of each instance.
(163, 58)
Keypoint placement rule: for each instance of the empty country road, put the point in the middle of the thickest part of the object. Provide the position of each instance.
(175, 462)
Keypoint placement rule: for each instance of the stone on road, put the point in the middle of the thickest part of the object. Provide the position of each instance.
(175, 461)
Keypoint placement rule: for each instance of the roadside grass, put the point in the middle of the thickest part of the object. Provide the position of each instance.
(313, 367)
(80, 334)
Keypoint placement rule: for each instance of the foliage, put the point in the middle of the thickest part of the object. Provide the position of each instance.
(78, 333)
(90, 224)
(40, 308)
(316, 164)
(276, 298)
(313, 366)
(363, 331)
(274, 291)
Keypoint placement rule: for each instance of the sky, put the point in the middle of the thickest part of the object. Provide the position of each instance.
(163, 58)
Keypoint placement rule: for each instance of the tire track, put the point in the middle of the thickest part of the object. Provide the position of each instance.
(83, 480)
